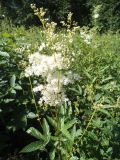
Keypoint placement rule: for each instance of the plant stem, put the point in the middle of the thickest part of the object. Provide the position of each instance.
(36, 107)
(88, 123)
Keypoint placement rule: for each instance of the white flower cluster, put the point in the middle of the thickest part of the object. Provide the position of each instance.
(96, 11)
(50, 68)
(96, 15)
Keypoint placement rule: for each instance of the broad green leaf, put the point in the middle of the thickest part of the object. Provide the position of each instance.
(52, 122)
(13, 91)
(61, 117)
(12, 80)
(93, 136)
(70, 123)
(80, 90)
(35, 133)
(61, 123)
(5, 34)
(66, 133)
(52, 154)
(4, 54)
(75, 90)
(73, 131)
(18, 87)
(69, 145)
(62, 110)
(46, 128)
(105, 112)
(54, 138)
(33, 147)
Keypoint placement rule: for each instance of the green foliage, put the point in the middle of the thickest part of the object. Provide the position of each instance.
(14, 88)
(61, 141)
(109, 14)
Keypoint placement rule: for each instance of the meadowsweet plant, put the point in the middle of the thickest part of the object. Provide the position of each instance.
(52, 62)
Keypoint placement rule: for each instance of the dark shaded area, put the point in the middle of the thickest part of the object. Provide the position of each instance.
(21, 13)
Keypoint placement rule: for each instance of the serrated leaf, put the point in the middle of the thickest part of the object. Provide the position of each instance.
(12, 80)
(33, 147)
(35, 133)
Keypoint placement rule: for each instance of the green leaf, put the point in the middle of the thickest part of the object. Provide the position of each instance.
(62, 110)
(33, 147)
(5, 34)
(88, 75)
(13, 91)
(105, 112)
(52, 154)
(78, 133)
(32, 115)
(52, 122)
(46, 128)
(12, 81)
(73, 131)
(93, 136)
(35, 133)
(75, 90)
(70, 123)
(98, 96)
(18, 87)
(106, 80)
(80, 90)
(66, 133)
(4, 54)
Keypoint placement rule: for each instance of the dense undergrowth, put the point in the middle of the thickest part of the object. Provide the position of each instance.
(86, 128)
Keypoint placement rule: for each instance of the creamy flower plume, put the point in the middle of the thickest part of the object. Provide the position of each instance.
(50, 68)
